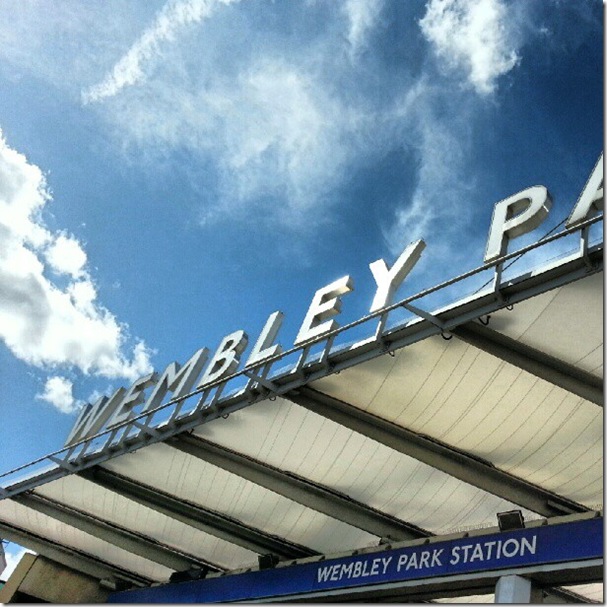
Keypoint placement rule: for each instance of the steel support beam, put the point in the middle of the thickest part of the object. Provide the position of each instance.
(544, 366)
(459, 464)
(113, 534)
(69, 557)
(556, 595)
(300, 490)
(213, 523)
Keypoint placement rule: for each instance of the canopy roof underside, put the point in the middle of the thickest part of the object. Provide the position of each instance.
(432, 438)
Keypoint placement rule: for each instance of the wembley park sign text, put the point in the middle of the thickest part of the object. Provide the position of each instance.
(512, 217)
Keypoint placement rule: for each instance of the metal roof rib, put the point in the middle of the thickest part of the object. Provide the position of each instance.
(540, 364)
(114, 534)
(206, 520)
(464, 466)
(70, 557)
(303, 491)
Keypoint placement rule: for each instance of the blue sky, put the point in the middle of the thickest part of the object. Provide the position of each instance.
(173, 171)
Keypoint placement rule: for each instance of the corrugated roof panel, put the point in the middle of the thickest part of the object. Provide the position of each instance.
(66, 535)
(189, 478)
(566, 323)
(475, 402)
(107, 505)
(329, 454)
(472, 599)
(593, 592)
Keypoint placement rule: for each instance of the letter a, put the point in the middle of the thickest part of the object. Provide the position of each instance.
(591, 197)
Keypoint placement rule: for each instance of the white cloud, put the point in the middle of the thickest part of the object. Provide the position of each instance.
(474, 36)
(282, 138)
(65, 255)
(362, 16)
(58, 392)
(13, 556)
(436, 208)
(131, 68)
(275, 112)
(41, 323)
(83, 296)
(275, 137)
(277, 131)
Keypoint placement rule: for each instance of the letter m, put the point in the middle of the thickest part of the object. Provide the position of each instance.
(176, 379)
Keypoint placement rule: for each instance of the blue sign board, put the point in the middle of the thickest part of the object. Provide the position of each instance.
(580, 540)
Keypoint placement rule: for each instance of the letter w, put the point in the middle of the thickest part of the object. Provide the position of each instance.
(324, 572)
(93, 417)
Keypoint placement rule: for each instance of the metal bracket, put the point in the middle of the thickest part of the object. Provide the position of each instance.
(145, 428)
(324, 358)
(62, 463)
(437, 322)
(584, 244)
(266, 383)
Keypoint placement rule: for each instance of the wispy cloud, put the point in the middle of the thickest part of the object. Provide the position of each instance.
(282, 140)
(276, 139)
(279, 119)
(131, 68)
(42, 323)
(441, 146)
(279, 102)
(362, 16)
(474, 37)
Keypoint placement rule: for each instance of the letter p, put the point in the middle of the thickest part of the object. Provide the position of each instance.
(515, 216)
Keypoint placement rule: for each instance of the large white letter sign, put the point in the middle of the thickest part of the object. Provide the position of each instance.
(264, 346)
(515, 216)
(388, 281)
(590, 198)
(325, 303)
(132, 398)
(225, 360)
(176, 379)
(93, 417)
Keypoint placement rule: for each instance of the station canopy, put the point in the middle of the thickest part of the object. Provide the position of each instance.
(428, 418)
